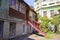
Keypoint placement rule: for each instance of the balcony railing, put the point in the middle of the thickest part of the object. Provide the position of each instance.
(16, 14)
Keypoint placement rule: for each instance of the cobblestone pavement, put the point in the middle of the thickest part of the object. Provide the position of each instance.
(36, 37)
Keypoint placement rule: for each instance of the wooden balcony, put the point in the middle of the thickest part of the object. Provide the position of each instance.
(16, 14)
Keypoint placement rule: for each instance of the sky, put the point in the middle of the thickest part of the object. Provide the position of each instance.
(30, 2)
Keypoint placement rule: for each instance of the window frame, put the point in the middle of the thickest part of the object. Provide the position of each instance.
(45, 13)
(51, 11)
(12, 2)
(12, 29)
(22, 8)
(0, 3)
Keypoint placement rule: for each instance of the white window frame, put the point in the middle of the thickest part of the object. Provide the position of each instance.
(44, 14)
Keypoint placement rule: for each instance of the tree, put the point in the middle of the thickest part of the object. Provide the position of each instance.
(55, 20)
(44, 23)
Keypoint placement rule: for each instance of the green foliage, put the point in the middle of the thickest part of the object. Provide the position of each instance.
(44, 21)
(55, 20)
(49, 34)
(44, 26)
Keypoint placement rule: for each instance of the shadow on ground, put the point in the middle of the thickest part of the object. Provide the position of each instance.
(23, 37)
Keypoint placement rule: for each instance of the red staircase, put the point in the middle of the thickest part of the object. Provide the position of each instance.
(37, 29)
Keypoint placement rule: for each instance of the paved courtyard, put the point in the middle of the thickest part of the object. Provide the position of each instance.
(36, 37)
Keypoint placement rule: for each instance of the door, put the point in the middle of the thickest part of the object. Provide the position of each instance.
(12, 30)
(31, 29)
(1, 28)
(24, 29)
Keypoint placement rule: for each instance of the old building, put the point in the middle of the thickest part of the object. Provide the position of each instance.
(16, 18)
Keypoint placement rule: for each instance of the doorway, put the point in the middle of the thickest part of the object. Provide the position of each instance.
(24, 29)
(1, 28)
(12, 30)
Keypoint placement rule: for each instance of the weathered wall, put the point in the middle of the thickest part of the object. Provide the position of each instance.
(6, 29)
(4, 8)
(19, 28)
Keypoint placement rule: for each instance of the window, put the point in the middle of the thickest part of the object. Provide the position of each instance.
(52, 12)
(34, 16)
(0, 2)
(37, 7)
(45, 13)
(44, 0)
(12, 29)
(22, 8)
(37, 10)
(44, 5)
(31, 29)
(31, 13)
(12, 2)
(23, 28)
(51, 3)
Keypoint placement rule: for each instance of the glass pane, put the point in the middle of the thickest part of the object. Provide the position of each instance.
(23, 28)
(10, 2)
(13, 2)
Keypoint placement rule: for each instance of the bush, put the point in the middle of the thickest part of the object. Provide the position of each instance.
(44, 25)
(49, 34)
(55, 20)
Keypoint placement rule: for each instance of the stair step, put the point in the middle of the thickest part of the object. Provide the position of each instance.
(42, 33)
